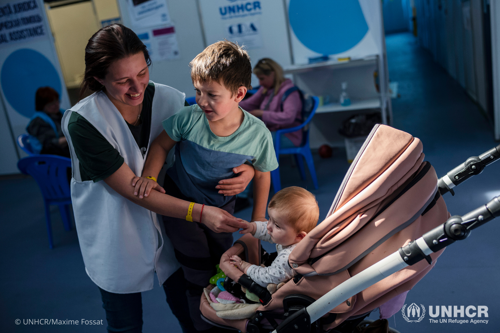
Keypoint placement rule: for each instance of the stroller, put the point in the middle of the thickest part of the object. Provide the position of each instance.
(362, 255)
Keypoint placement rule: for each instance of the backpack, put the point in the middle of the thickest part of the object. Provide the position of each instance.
(307, 102)
(36, 145)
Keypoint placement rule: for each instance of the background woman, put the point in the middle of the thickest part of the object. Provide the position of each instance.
(45, 125)
(267, 104)
(109, 134)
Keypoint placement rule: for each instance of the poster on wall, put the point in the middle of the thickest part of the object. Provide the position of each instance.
(337, 29)
(21, 21)
(161, 42)
(148, 13)
(238, 21)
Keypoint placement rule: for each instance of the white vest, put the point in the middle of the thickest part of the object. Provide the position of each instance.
(122, 243)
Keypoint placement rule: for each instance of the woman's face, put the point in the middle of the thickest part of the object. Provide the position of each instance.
(266, 81)
(126, 81)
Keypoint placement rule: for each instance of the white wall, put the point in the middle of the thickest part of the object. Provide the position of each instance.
(176, 73)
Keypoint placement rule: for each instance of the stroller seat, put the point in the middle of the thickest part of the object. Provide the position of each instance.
(388, 197)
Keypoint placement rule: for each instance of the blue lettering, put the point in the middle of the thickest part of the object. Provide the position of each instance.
(240, 8)
(225, 10)
(256, 5)
(252, 26)
(231, 10)
(240, 28)
(248, 6)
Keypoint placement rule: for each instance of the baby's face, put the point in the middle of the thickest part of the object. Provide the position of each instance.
(280, 230)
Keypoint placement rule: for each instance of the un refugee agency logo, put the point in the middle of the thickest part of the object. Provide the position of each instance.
(413, 313)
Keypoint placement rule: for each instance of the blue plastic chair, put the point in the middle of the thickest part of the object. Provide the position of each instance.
(50, 172)
(23, 141)
(304, 150)
(191, 100)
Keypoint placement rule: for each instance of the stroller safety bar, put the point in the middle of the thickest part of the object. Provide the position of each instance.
(455, 228)
(472, 166)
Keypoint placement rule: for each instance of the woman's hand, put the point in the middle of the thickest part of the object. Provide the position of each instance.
(219, 220)
(251, 228)
(236, 185)
(62, 141)
(257, 113)
(143, 186)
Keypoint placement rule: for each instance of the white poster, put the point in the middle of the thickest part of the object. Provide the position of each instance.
(245, 33)
(161, 42)
(21, 21)
(237, 21)
(148, 13)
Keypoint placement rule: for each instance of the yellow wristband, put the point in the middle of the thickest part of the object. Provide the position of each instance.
(189, 216)
(153, 178)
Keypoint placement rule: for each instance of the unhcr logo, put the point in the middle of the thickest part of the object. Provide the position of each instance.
(413, 313)
(446, 314)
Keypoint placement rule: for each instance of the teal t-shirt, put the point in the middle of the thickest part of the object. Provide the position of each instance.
(202, 158)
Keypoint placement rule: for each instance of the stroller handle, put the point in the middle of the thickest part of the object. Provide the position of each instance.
(472, 166)
(455, 228)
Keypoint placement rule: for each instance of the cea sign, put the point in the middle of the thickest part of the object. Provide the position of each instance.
(240, 9)
(242, 29)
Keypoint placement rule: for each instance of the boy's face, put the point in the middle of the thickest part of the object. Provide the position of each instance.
(280, 230)
(216, 100)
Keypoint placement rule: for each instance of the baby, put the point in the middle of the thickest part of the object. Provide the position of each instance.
(293, 212)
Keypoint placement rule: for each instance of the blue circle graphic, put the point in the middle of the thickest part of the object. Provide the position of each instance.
(328, 26)
(23, 72)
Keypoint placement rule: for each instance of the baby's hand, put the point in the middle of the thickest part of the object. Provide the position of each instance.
(251, 227)
(235, 260)
(143, 186)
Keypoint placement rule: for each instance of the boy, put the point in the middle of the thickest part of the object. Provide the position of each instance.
(293, 212)
(210, 139)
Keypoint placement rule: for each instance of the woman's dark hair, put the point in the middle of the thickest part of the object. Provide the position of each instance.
(44, 96)
(107, 45)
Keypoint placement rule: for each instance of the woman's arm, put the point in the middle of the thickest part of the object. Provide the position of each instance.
(214, 218)
(292, 107)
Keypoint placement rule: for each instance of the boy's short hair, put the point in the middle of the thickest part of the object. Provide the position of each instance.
(299, 207)
(224, 62)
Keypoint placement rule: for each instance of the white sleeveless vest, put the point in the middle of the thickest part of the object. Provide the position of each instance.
(122, 243)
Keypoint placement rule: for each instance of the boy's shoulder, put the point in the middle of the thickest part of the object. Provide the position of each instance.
(255, 123)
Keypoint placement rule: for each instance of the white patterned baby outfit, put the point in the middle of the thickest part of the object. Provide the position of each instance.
(280, 270)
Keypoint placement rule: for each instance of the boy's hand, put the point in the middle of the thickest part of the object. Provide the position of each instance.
(236, 185)
(143, 186)
(251, 228)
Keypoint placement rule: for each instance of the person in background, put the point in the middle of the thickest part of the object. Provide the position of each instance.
(45, 125)
(267, 104)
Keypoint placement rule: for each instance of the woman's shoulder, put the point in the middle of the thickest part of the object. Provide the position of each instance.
(285, 85)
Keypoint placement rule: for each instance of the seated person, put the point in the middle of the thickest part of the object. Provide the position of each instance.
(267, 104)
(293, 212)
(45, 125)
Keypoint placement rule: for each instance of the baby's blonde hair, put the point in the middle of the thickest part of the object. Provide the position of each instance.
(298, 206)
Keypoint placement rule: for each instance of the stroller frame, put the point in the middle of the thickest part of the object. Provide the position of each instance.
(305, 314)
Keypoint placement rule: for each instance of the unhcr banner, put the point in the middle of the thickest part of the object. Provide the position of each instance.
(21, 21)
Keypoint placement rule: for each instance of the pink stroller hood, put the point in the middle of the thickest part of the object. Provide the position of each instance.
(388, 198)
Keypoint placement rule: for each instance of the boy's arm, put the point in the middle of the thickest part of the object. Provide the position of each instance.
(156, 158)
(261, 186)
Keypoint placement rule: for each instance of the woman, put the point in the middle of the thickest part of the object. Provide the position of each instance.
(109, 133)
(45, 125)
(267, 103)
